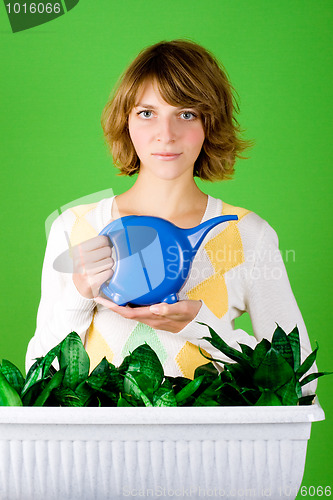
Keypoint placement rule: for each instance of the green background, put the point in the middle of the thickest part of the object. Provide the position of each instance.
(55, 81)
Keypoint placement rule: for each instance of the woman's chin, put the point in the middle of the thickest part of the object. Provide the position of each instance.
(169, 172)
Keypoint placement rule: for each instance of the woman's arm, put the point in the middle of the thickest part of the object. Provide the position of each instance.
(62, 308)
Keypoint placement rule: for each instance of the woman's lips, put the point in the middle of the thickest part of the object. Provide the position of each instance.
(166, 156)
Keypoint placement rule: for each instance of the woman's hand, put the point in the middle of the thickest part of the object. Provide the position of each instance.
(169, 317)
(92, 265)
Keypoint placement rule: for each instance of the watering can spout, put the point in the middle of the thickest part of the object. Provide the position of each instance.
(195, 235)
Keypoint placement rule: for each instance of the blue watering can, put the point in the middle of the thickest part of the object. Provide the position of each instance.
(153, 258)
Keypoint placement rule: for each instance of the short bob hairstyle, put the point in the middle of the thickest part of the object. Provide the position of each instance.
(187, 75)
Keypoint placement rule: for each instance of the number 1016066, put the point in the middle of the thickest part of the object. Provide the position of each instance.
(33, 8)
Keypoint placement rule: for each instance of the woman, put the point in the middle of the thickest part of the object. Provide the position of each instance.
(171, 119)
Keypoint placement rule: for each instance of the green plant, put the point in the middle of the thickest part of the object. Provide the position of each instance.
(270, 374)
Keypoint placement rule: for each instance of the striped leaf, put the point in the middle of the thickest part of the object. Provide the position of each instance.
(8, 395)
(307, 363)
(222, 346)
(280, 342)
(273, 372)
(13, 375)
(294, 342)
(52, 384)
(74, 357)
(260, 352)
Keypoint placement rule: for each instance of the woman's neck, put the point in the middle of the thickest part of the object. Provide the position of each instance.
(180, 202)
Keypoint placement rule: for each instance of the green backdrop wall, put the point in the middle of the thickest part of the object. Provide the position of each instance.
(55, 80)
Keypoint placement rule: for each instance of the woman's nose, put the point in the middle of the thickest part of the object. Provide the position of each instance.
(166, 131)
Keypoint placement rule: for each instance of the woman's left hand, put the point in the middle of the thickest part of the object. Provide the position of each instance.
(169, 317)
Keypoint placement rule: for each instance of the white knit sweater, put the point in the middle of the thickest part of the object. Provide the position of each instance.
(237, 269)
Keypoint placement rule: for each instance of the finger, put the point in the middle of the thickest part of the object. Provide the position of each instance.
(92, 268)
(99, 254)
(160, 309)
(165, 309)
(95, 255)
(136, 313)
(93, 244)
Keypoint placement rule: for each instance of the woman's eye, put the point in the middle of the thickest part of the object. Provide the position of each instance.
(145, 113)
(188, 115)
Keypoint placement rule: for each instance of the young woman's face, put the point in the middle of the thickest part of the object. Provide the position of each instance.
(167, 139)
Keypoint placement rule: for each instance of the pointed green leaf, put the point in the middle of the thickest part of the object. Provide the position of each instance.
(144, 360)
(40, 369)
(34, 391)
(209, 394)
(230, 395)
(280, 342)
(294, 342)
(164, 397)
(85, 393)
(260, 352)
(110, 382)
(246, 349)
(13, 375)
(273, 372)
(74, 356)
(34, 375)
(208, 370)
(268, 398)
(8, 395)
(97, 381)
(307, 363)
(132, 386)
(222, 346)
(52, 384)
(189, 390)
(313, 376)
(123, 402)
(288, 393)
(65, 396)
(101, 368)
(209, 356)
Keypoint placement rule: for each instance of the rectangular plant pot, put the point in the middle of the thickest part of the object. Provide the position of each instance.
(116, 453)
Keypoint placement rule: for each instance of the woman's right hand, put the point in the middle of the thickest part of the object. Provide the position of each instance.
(93, 265)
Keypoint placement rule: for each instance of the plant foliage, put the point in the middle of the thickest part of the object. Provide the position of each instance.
(270, 374)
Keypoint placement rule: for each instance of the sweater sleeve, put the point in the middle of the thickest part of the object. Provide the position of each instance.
(62, 309)
(269, 300)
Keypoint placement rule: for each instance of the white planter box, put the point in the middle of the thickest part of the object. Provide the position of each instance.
(117, 453)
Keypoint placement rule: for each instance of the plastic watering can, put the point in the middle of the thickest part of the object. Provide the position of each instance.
(153, 258)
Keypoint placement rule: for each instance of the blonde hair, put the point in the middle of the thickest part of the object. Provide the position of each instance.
(186, 75)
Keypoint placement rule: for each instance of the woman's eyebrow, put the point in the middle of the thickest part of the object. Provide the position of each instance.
(150, 106)
(141, 105)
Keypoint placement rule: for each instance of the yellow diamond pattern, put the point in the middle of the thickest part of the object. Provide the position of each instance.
(213, 291)
(97, 347)
(231, 210)
(82, 230)
(189, 358)
(225, 251)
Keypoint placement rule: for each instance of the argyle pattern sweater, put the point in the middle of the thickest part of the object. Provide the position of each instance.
(237, 269)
